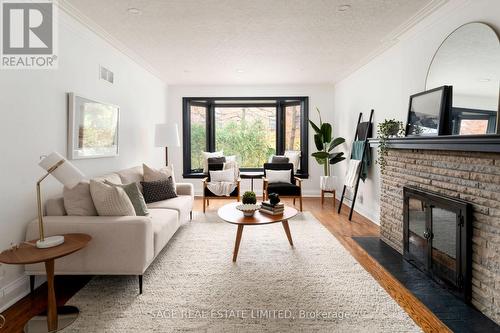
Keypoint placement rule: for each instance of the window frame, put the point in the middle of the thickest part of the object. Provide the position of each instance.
(210, 103)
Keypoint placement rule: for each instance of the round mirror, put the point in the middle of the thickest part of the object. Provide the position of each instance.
(469, 61)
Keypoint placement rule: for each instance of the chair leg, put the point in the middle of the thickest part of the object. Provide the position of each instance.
(208, 202)
(294, 201)
(32, 283)
(300, 200)
(334, 199)
(190, 215)
(322, 197)
(204, 204)
(140, 284)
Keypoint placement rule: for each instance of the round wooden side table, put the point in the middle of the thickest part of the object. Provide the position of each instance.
(30, 254)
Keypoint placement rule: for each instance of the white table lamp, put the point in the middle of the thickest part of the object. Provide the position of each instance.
(66, 173)
(167, 135)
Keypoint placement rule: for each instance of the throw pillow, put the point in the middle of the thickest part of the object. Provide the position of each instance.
(78, 201)
(216, 160)
(110, 200)
(151, 174)
(294, 158)
(207, 155)
(279, 159)
(226, 175)
(134, 194)
(278, 176)
(158, 190)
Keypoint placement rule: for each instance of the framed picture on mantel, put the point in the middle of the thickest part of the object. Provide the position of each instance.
(92, 128)
(428, 112)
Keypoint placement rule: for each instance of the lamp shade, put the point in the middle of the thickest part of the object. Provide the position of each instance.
(66, 173)
(167, 135)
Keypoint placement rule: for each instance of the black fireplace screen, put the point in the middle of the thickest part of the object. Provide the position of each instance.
(437, 238)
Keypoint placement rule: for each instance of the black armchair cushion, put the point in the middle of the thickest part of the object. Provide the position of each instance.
(209, 193)
(280, 166)
(214, 167)
(284, 189)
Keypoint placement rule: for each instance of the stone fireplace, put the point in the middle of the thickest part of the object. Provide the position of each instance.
(473, 177)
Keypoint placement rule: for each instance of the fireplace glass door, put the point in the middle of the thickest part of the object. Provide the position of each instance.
(444, 243)
(417, 227)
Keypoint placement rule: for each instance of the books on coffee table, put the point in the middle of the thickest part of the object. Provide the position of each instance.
(267, 208)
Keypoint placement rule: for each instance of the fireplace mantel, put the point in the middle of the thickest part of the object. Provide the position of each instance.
(472, 143)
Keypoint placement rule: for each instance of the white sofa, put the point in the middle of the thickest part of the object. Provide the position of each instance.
(121, 245)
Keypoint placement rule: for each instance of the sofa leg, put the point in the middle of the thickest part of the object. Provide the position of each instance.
(190, 215)
(32, 283)
(140, 284)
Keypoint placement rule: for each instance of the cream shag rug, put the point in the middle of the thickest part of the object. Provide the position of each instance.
(193, 286)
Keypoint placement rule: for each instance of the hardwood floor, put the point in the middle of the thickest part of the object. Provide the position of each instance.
(338, 225)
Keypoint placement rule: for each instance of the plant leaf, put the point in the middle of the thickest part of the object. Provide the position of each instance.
(335, 143)
(336, 158)
(326, 132)
(314, 126)
(321, 154)
(319, 114)
(320, 161)
(319, 141)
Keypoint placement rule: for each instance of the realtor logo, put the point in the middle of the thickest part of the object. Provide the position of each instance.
(28, 34)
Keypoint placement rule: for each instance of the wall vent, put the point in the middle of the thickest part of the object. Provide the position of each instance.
(106, 75)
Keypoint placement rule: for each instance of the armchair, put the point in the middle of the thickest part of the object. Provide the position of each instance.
(285, 190)
(207, 194)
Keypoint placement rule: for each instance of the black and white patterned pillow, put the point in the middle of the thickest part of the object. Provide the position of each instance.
(158, 190)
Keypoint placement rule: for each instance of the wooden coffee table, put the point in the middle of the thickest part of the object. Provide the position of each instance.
(30, 254)
(230, 214)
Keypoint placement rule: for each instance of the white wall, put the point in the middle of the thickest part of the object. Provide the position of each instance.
(386, 83)
(33, 122)
(320, 96)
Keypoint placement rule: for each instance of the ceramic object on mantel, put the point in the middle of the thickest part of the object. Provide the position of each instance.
(327, 183)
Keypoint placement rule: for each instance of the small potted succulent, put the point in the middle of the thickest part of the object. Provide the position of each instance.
(249, 205)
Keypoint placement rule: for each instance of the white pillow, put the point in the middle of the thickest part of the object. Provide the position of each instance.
(151, 174)
(110, 200)
(231, 158)
(278, 176)
(207, 155)
(222, 175)
(234, 166)
(294, 157)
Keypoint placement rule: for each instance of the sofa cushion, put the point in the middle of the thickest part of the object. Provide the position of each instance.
(112, 178)
(182, 204)
(165, 223)
(132, 175)
(55, 207)
(284, 189)
(78, 201)
(110, 200)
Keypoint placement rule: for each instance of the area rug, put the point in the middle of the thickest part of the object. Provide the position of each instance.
(193, 286)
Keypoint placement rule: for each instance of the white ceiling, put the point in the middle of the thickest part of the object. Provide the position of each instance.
(250, 41)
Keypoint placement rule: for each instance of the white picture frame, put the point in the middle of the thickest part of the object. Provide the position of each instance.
(93, 128)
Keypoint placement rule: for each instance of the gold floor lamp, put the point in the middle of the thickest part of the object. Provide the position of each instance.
(66, 173)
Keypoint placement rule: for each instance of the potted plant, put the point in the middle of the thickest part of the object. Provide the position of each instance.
(249, 205)
(389, 128)
(326, 143)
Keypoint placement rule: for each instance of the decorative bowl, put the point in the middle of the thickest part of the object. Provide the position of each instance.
(248, 209)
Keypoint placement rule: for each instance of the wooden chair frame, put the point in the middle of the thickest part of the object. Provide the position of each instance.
(206, 200)
(265, 195)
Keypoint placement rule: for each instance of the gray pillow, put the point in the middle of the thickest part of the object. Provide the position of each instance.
(134, 194)
(280, 159)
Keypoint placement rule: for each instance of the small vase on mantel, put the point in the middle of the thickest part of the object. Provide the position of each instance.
(327, 183)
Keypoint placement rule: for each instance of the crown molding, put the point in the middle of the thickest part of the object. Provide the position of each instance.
(394, 37)
(102, 33)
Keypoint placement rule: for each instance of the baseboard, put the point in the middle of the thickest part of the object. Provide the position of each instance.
(16, 290)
